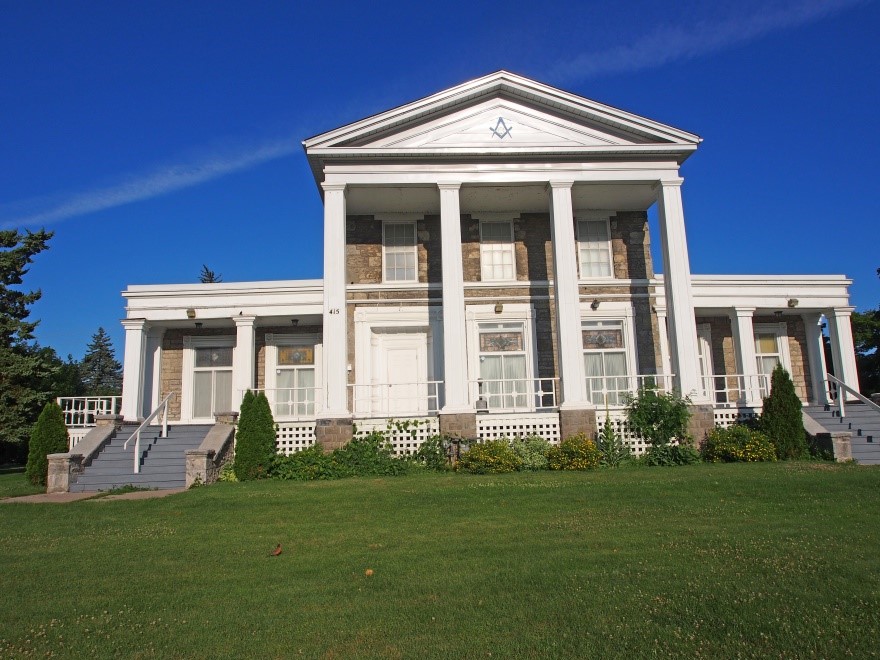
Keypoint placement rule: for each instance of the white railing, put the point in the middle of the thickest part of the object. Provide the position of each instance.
(163, 409)
(396, 399)
(834, 387)
(737, 389)
(81, 411)
(292, 403)
(614, 390)
(514, 394)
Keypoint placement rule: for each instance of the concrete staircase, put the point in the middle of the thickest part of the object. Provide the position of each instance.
(162, 460)
(862, 421)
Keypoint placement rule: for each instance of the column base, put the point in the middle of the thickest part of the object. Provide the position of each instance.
(333, 433)
(702, 421)
(577, 420)
(459, 425)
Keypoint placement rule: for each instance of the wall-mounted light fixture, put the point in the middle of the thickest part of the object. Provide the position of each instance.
(777, 313)
(190, 313)
(793, 302)
(294, 322)
(198, 324)
(594, 305)
(499, 308)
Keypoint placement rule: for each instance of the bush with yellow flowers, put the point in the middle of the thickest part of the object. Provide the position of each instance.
(737, 443)
(575, 453)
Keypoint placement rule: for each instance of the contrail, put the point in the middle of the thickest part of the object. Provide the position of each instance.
(147, 185)
(674, 43)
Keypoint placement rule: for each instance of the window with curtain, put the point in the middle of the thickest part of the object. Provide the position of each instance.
(212, 381)
(605, 362)
(503, 366)
(295, 381)
(496, 251)
(768, 353)
(399, 251)
(594, 248)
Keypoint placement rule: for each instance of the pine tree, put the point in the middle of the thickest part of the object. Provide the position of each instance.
(101, 371)
(208, 276)
(255, 440)
(781, 419)
(48, 437)
(25, 369)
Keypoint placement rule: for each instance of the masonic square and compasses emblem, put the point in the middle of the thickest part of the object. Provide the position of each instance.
(501, 130)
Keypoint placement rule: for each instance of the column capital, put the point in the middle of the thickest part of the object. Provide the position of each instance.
(242, 320)
(449, 185)
(561, 183)
(744, 311)
(669, 183)
(134, 324)
(842, 311)
(328, 187)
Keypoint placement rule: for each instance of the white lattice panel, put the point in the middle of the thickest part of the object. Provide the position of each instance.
(75, 435)
(493, 427)
(405, 441)
(725, 417)
(292, 437)
(630, 438)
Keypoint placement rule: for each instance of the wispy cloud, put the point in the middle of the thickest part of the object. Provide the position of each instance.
(674, 43)
(146, 185)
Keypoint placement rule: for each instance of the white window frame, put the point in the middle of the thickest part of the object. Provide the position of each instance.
(781, 332)
(273, 341)
(616, 311)
(403, 249)
(486, 249)
(592, 216)
(512, 313)
(187, 380)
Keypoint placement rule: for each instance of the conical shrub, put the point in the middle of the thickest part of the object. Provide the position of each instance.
(255, 438)
(49, 436)
(781, 419)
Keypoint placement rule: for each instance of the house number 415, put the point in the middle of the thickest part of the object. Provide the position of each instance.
(334, 310)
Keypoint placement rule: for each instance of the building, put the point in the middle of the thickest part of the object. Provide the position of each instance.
(487, 272)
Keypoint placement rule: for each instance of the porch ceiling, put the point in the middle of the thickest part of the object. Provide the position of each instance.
(525, 198)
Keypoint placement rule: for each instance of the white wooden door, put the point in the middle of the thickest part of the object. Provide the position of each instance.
(401, 377)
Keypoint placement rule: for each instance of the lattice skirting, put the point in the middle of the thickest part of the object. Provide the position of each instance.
(405, 435)
(725, 417)
(493, 427)
(630, 438)
(292, 437)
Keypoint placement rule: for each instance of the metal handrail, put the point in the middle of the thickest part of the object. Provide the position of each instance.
(840, 399)
(137, 434)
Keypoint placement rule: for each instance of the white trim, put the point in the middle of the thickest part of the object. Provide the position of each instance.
(188, 366)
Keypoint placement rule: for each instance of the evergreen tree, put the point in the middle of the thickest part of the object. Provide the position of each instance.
(25, 369)
(781, 419)
(101, 371)
(255, 439)
(208, 276)
(49, 436)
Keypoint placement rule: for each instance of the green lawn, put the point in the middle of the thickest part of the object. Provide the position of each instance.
(14, 484)
(703, 561)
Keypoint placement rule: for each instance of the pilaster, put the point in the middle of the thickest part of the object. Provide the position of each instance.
(816, 357)
(665, 362)
(133, 369)
(843, 350)
(243, 365)
(679, 298)
(335, 330)
(565, 288)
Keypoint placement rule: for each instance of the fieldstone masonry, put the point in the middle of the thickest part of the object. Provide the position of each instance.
(333, 433)
(572, 422)
(460, 425)
(702, 421)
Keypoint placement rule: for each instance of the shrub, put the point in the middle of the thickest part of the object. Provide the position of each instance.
(255, 438)
(611, 448)
(431, 454)
(781, 418)
(492, 457)
(307, 465)
(737, 443)
(227, 473)
(658, 418)
(532, 452)
(49, 436)
(367, 456)
(670, 455)
(575, 453)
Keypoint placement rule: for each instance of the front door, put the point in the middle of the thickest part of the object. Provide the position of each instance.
(400, 379)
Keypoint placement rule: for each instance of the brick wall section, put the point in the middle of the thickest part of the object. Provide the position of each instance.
(171, 373)
(333, 433)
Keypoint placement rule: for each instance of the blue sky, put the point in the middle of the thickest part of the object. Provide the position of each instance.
(155, 137)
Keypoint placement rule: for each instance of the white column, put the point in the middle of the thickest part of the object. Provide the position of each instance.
(152, 370)
(843, 350)
(744, 349)
(663, 340)
(243, 358)
(455, 385)
(679, 299)
(568, 301)
(816, 357)
(335, 331)
(133, 369)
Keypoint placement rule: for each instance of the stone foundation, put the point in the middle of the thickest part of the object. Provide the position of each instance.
(203, 465)
(702, 421)
(581, 420)
(459, 425)
(63, 470)
(333, 433)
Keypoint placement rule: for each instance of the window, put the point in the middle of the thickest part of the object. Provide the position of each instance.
(768, 351)
(496, 251)
(504, 383)
(399, 251)
(605, 362)
(290, 374)
(212, 381)
(594, 248)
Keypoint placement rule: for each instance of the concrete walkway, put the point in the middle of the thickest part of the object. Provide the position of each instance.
(61, 498)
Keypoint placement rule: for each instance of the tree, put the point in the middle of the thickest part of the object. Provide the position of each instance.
(658, 417)
(866, 336)
(255, 440)
(208, 276)
(781, 419)
(25, 368)
(48, 437)
(101, 371)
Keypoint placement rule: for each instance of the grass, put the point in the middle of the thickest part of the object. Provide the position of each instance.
(703, 561)
(13, 483)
